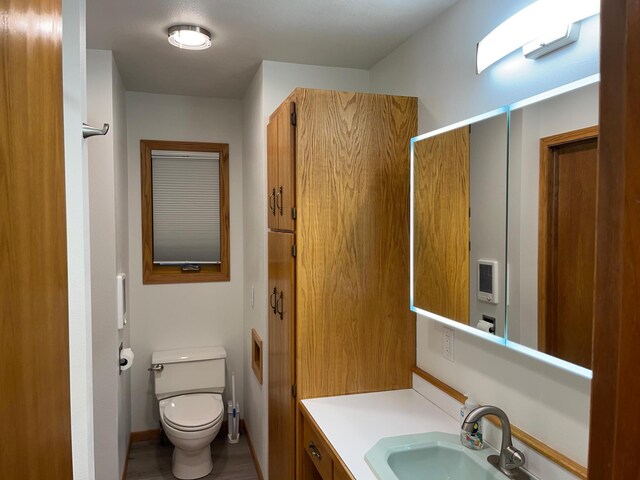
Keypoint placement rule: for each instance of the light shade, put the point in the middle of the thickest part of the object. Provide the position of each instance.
(530, 23)
(552, 41)
(189, 37)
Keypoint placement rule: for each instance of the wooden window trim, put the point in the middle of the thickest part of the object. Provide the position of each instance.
(160, 274)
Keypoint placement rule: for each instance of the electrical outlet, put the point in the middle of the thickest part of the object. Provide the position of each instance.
(447, 344)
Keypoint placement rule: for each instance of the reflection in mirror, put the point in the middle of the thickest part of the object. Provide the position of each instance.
(459, 223)
(551, 239)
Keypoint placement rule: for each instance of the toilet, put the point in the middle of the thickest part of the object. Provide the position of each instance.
(189, 383)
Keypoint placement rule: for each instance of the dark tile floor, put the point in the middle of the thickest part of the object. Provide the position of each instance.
(152, 461)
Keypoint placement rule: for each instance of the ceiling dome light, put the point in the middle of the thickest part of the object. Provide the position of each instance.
(189, 37)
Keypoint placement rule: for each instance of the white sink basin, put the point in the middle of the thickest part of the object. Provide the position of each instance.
(430, 456)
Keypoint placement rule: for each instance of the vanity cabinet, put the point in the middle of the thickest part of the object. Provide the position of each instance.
(318, 461)
(340, 474)
(338, 207)
(317, 450)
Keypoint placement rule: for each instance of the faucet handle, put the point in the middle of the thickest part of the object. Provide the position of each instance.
(515, 458)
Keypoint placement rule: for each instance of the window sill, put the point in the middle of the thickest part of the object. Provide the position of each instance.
(173, 274)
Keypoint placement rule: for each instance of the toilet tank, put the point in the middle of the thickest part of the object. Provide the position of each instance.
(189, 370)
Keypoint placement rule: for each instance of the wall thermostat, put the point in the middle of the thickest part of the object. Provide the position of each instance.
(488, 281)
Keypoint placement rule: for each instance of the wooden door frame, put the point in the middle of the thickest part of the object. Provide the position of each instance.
(35, 398)
(548, 146)
(615, 388)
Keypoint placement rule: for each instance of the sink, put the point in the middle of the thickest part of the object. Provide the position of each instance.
(430, 456)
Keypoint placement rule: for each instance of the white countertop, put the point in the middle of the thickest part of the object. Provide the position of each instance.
(354, 423)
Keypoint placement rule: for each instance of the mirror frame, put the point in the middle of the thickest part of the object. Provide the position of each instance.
(528, 351)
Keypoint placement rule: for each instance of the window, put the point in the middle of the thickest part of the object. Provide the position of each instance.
(185, 211)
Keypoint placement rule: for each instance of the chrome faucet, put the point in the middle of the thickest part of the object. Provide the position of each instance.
(510, 459)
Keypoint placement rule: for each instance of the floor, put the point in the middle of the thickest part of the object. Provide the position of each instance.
(152, 461)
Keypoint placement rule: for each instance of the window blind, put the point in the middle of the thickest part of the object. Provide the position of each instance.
(186, 207)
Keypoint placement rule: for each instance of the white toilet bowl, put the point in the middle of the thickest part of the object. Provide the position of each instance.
(191, 422)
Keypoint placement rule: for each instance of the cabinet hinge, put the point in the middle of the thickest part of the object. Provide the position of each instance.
(294, 390)
(294, 213)
(294, 250)
(469, 245)
(294, 118)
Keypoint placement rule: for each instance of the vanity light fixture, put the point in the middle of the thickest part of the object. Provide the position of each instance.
(542, 27)
(552, 41)
(189, 37)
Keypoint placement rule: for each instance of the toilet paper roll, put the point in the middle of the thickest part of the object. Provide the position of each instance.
(126, 358)
(485, 326)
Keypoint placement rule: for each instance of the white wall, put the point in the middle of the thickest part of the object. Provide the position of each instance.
(437, 65)
(280, 79)
(122, 248)
(78, 254)
(182, 315)
(109, 256)
(488, 222)
(254, 252)
(273, 82)
(564, 113)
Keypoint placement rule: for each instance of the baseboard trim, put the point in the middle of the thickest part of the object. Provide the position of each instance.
(145, 435)
(243, 427)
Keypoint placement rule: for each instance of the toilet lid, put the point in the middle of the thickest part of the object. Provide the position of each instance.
(198, 410)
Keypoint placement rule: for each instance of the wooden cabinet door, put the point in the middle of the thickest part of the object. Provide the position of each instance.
(281, 168)
(286, 167)
(272, 172)
(281, 356)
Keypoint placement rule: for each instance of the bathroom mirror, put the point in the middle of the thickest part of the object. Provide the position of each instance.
(553, 148)
(523, 275)
(459, 224)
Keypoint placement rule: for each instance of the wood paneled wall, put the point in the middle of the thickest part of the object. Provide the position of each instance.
(355, 332)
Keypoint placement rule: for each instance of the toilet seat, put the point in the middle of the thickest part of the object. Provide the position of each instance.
(193, 412)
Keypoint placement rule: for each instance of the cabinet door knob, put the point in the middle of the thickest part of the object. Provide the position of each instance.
(279, 200)
(280, 305)
(314, 451)
(272, 201)
(272, 300)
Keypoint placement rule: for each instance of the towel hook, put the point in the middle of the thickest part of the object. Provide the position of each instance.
(89, 131)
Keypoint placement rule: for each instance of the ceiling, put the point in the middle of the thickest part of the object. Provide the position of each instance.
(340, 33)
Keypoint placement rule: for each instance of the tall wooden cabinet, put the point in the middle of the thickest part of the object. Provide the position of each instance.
(339, 318)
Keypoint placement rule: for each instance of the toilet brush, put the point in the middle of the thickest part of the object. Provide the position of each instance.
(233, 411)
